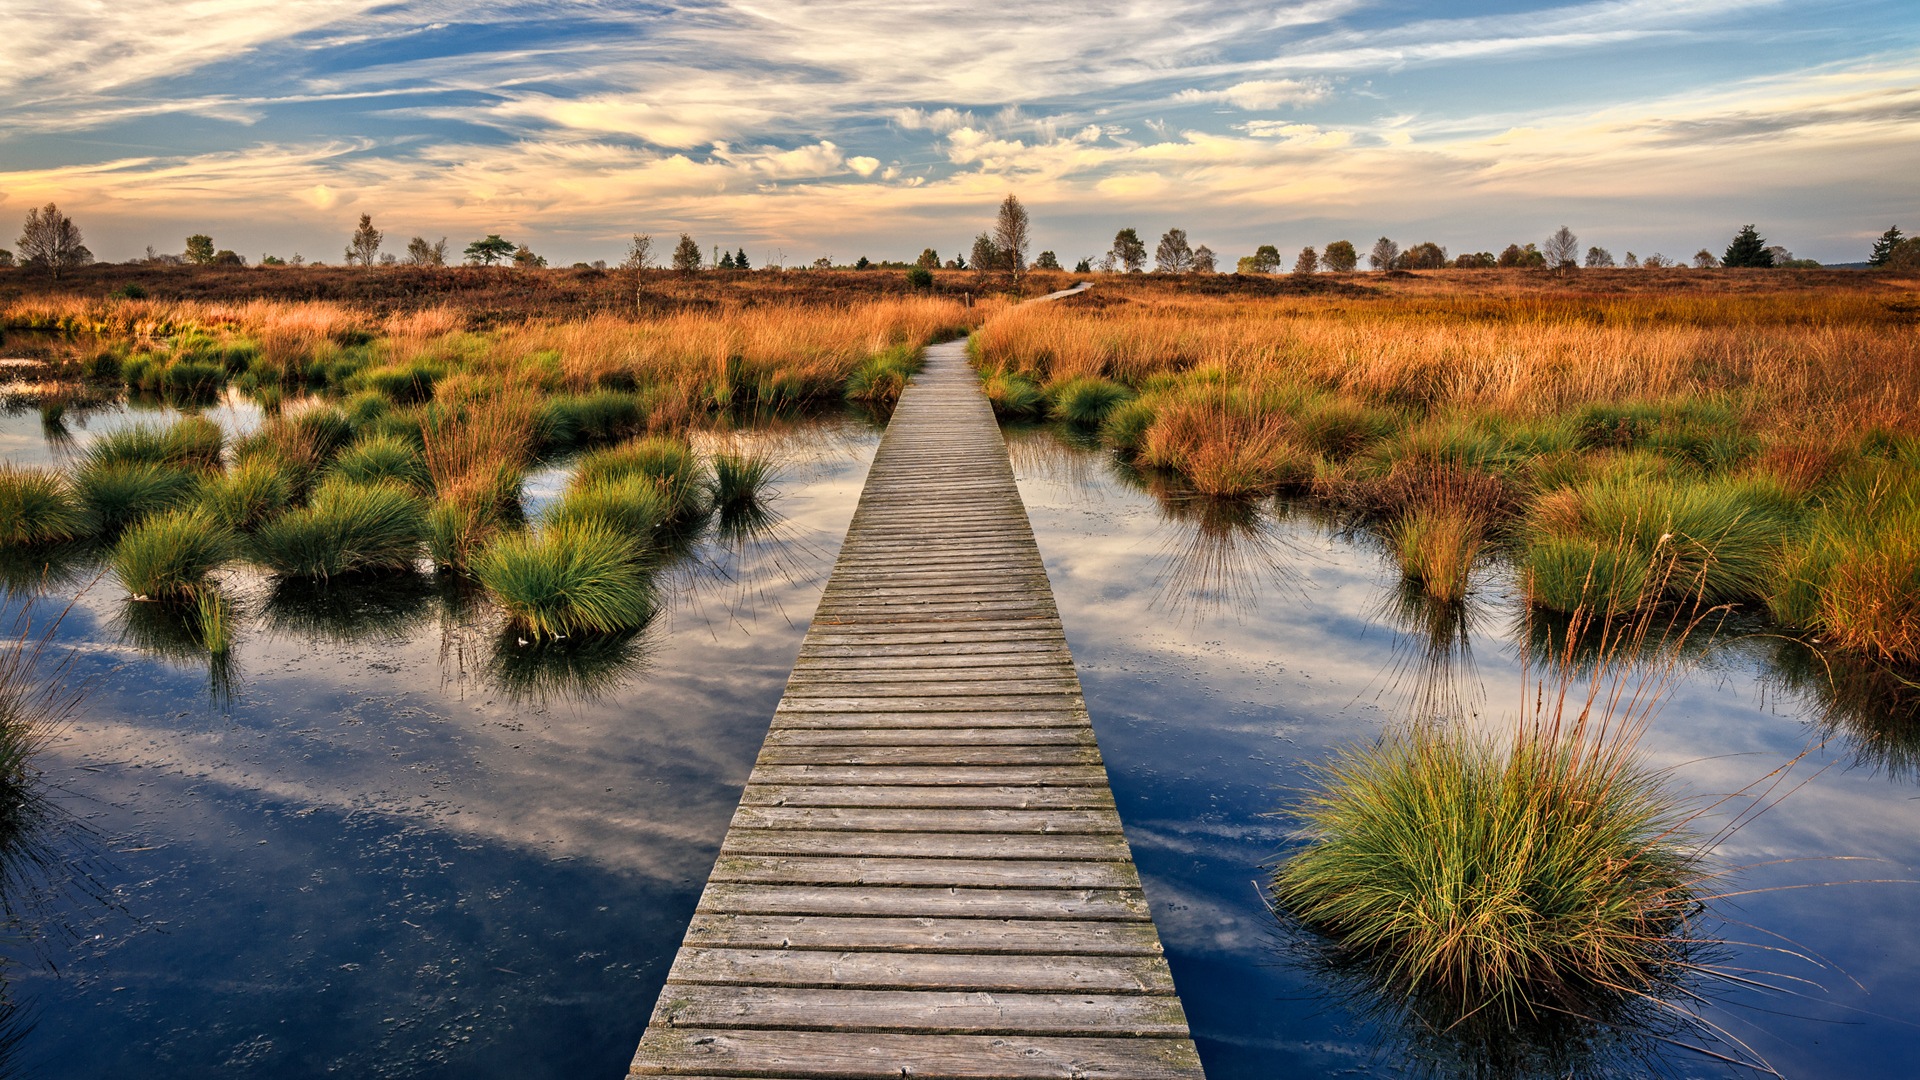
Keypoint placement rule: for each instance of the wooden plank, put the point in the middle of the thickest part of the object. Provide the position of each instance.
(929, 796)
(920, 971)
(948, 1012)
(1021, 735)
(914, 934)
(774, 754)
(1095, 821)
(1048, 847)
(944, 873)
(886, 1056)
(1117, 905)
(951, 776)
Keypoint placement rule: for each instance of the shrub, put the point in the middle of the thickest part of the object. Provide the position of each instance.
(36, 507)
(1544, 875)
(345, 528)
(668, 462)
(382, 458)
(578, 578)
(191, 442)
(246, 495)
(169, 555)
(118, 494)
(1086, 402)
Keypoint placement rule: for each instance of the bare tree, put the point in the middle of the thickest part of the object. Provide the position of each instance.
(1308, 262)
(1011, 236)
(1204, 260)
(1383, 253)
(1172, 255)
(49, 240)
(1562, 249)
(639, 253)
(365, 243)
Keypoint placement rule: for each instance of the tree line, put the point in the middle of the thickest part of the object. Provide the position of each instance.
(51, 242)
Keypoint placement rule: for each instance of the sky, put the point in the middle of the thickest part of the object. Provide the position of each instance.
(842, 128)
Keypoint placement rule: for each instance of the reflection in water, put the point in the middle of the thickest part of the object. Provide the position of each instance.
(175, 633)
(1873, 706)
(26, 573)
(583, 669)
(1433, 670)
(357, 611)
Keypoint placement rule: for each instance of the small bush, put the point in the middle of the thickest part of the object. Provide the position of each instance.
(246, 495)
(382, 458)
(669, 462)
(1086, 402)
(169, 555)
(36, 507)
(579, 578)
(346, 528)
(119, 493)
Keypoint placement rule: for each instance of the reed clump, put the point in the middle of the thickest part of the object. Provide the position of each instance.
(1438, 548)
(247, 494)
(37, 507)
(669, 463)
(1086, 402)
(116, 494)
(739, 480)
(192, 442)
(379, 458)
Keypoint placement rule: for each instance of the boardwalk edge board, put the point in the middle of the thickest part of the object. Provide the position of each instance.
(926, 875)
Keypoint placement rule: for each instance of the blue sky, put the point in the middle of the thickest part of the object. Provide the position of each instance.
(878, 127)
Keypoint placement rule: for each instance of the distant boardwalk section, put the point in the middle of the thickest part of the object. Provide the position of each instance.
(926, 876)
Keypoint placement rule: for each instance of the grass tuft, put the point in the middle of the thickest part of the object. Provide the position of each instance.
(740, 480)
(346, 528)
(191, 442)
(1086, 402)
(1438, 547)
(579, 577)
(381, 458)
(36, 507)
(121, 493)
(670, 463)
(246, 495)
(168, 556)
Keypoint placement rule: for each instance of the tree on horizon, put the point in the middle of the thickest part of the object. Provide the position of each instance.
(686, 255)
(1129, 252)
(365, 243)
(488, 251)
(1748, 249)
(1883, 247)
(1340, 257)
(50, 241)
(1011, 236)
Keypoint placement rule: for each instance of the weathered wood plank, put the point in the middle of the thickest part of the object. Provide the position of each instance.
(1047, 847)
(928, 796)
(684, 1005)
(953, 776)
(948, 873)
(921, 971)
(1117, 905)
(860, 819)
(775, 754)
(909, 934)
(883, 1056)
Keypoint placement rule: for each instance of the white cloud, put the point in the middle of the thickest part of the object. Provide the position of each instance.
(1258, 95)
(863, 165)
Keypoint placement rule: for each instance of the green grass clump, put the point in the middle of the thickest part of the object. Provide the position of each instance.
(881, 379)
(1126, 426)
(668, 462)
(191, 442)
(246, 495)
(1085, 402)
(1714, 540)
(345, 528)
(193, 380)
(169, 555)
(1567, 573)
(582, 577)
(740, 480)
(1438, 547)
(591, 419)
(1015, 396)
(1855, 574)
(1511, 880)
(403, 384)
(382, 458)
(36, 507)
(117, 494)
(635, 506)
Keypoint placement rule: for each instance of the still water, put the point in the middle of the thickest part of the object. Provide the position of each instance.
(386, 840)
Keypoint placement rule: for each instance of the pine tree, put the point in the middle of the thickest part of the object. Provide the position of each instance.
(726, 261)
(1748, 249)
(740, 260)
(1884, 246)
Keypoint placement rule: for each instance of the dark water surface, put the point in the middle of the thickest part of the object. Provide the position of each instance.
(388, 841)
(1223, 653)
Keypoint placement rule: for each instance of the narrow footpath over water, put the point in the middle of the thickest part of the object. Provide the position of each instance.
(926, 876)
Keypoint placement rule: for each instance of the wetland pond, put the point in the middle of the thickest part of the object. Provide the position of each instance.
(386, 840)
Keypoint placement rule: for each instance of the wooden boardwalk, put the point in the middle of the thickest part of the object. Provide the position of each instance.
(926, 875)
